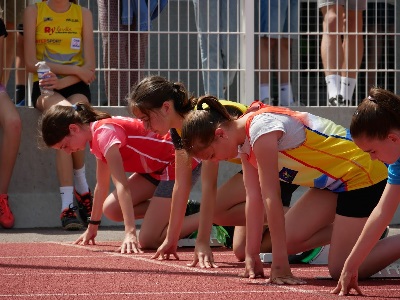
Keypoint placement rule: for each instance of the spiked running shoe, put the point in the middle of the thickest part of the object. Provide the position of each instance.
(69, 219)
(6, 215)
(85, 202)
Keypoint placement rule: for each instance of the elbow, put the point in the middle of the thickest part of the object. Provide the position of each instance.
(30, 66)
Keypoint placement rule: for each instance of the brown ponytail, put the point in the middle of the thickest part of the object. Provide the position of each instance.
(198, 129)
(376, 115)
(54, 123)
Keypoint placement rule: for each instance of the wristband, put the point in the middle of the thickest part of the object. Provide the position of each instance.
(94, 222)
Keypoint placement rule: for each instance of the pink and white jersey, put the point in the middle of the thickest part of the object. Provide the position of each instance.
(142, 151)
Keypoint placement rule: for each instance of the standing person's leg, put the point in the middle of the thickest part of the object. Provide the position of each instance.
(137, 57)
(285, 90)
(10, 123)
(65, 162)
(114, 51)
(64, 165)
(353, 49)
(331, 47)
(267, 46)
(229, 43)
(290, 26)
(265, 51)
(207, 17)
(20, 72)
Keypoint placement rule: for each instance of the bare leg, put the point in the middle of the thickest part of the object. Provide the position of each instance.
(353, 46)
(309, 221)
(331, 43)
(284, 60)
(231, 199)
(11, 125)
(141, 191)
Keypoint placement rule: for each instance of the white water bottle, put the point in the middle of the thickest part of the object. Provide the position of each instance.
(43, 68)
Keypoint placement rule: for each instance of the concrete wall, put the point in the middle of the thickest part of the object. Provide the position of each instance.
(34, 193)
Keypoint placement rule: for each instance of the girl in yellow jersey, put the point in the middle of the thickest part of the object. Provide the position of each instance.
(60, 32)
(278, 144)
(163, 105)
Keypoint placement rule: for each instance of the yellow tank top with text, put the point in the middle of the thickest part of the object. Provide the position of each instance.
(59, 35)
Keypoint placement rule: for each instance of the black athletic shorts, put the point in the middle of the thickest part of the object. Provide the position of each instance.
(77, 88)
(360, 203)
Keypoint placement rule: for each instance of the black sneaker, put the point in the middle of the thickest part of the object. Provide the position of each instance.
(305, 257)
(385, 233)
(192, 207)
(336, 101)
(85, 203)
(229, 237)
(69, 219)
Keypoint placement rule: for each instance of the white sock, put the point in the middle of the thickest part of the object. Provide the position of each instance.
(347, 86)
(286, 95)
(333, 84)
(67, 196)
(264, 91)
(80, 182)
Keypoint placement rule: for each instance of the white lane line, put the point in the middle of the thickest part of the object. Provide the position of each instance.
(168, 263)
(149, 293)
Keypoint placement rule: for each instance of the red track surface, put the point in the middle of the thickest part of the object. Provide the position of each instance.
(66, 271)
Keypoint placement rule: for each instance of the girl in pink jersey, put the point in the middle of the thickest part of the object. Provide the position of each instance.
(121, 145)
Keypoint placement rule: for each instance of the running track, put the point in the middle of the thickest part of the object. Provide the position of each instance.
(60, 270)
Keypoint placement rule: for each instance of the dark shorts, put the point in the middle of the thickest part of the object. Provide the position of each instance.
(20, 28)
(165, 188)
(360, 203)
(3, 30)
(287, 190)
(77, 88)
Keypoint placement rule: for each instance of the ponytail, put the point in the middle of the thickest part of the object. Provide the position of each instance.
(54, 123)
(377, 115)
(198, 129)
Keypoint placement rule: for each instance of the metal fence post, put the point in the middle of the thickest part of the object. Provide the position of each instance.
(247, 52)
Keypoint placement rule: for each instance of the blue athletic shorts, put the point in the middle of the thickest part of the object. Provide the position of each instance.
(279, 18)
(351, 4)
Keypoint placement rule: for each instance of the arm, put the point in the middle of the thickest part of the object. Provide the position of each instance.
(100, 193)
(254, 220)
(85, 72)
(266, 151)
(30, 15)
(180, 197)
(115, 164)
(373, 228)
(202, 252)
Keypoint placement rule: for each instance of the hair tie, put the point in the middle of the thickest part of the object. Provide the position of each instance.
(78, 107)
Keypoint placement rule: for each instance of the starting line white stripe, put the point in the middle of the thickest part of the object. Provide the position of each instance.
(286, 290)
(154, 261)
(152, 293)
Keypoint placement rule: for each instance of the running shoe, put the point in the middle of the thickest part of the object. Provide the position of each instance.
(305, 257)
(385, 233)
(85, 203)
(192, 207)
(6, 215)
(69, 219)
